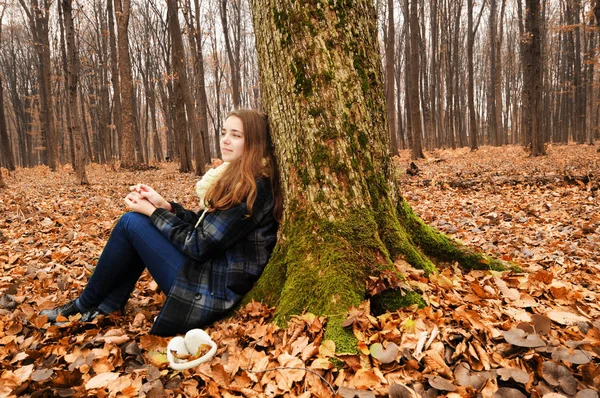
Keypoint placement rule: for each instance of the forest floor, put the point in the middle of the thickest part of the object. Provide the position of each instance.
(534, 332)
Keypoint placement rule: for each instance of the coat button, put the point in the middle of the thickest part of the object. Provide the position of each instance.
(197, 296)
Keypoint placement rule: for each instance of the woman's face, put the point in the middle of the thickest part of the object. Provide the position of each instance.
(232, 139)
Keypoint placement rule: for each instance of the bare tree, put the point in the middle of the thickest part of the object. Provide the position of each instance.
(129, 128)
(233, 51)
(390, 85)
(72, 83)
(6, 152)
(38, 15)
(179, 80)
(413, 73)
(533, 78)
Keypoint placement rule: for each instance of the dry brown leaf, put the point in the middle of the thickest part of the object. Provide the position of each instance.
(520, 338)
(101, 380)
(558, 375)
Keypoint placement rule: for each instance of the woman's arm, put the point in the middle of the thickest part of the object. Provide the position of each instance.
(220, 229)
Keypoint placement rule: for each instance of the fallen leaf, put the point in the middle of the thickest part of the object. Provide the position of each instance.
(439, 383)
(558, 375)
(518, 375)
(346, 392)
(41, 374)
(101, 380)
(578, 357)
(520, 338)
(387, 355)
(565, 318)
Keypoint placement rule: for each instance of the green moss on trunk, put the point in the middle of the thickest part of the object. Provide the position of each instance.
(442, 247)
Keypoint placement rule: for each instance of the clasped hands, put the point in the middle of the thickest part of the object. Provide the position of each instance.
(143, 199)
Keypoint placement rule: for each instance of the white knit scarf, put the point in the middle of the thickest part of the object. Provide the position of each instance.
(207, 181)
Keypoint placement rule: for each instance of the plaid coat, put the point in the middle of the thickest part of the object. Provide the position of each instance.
(226, 253)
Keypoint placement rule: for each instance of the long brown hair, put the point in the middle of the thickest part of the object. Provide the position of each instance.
(238, 181)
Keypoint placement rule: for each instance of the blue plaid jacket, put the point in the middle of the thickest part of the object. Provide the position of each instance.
(226, 254)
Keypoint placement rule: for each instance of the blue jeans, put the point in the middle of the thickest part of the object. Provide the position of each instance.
(134, 244)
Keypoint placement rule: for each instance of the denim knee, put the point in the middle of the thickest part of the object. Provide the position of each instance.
(132, 220)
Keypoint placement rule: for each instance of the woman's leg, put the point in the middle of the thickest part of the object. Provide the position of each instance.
(133, 245)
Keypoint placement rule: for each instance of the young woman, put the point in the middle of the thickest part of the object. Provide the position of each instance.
(205, 262)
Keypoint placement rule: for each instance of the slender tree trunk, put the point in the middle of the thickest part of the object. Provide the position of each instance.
(196, 46)
(233, 65)
(390, 77)
(178, 90)
(471, 84)
(493, 81)
(413, 72)
(6, 149)
(114, 75)
(533, 77)
(38, 15)
(72, 82)
(128, 114)
(435, 75)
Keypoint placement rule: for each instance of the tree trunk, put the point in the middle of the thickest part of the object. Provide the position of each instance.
(344, 217)
(114, 75)
(234, 64)
(196, 47)
(72, 81)
(390, 78)
(470, 77)
(179, 80)
(6, 152)
(128, 114)
(493, 82)
(532, 77)
(413, 73)
(38, 15)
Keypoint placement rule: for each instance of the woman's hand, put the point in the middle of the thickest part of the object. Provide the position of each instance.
(151, 196)
(137, 203)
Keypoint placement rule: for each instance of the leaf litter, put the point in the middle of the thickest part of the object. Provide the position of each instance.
(484, 333)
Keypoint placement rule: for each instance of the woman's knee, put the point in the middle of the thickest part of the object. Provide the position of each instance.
(132, 221)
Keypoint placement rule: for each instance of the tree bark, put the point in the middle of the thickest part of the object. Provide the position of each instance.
(493, 82)
(390, 78)
(470, 76)
(344, 217)
(413, 73)
(234, 61)
(6, 149)
(38, 15)
(114, 75)
(128, 114)
(72, 82)
(532, 77)
(179, 81)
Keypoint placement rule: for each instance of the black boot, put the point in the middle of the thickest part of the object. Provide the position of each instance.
(66, 310)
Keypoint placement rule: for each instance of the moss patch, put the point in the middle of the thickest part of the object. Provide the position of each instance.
(345, 342)
(395, 299)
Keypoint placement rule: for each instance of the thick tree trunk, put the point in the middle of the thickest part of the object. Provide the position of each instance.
(344, 218)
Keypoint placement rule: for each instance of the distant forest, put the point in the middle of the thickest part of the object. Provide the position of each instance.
(141, 81)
